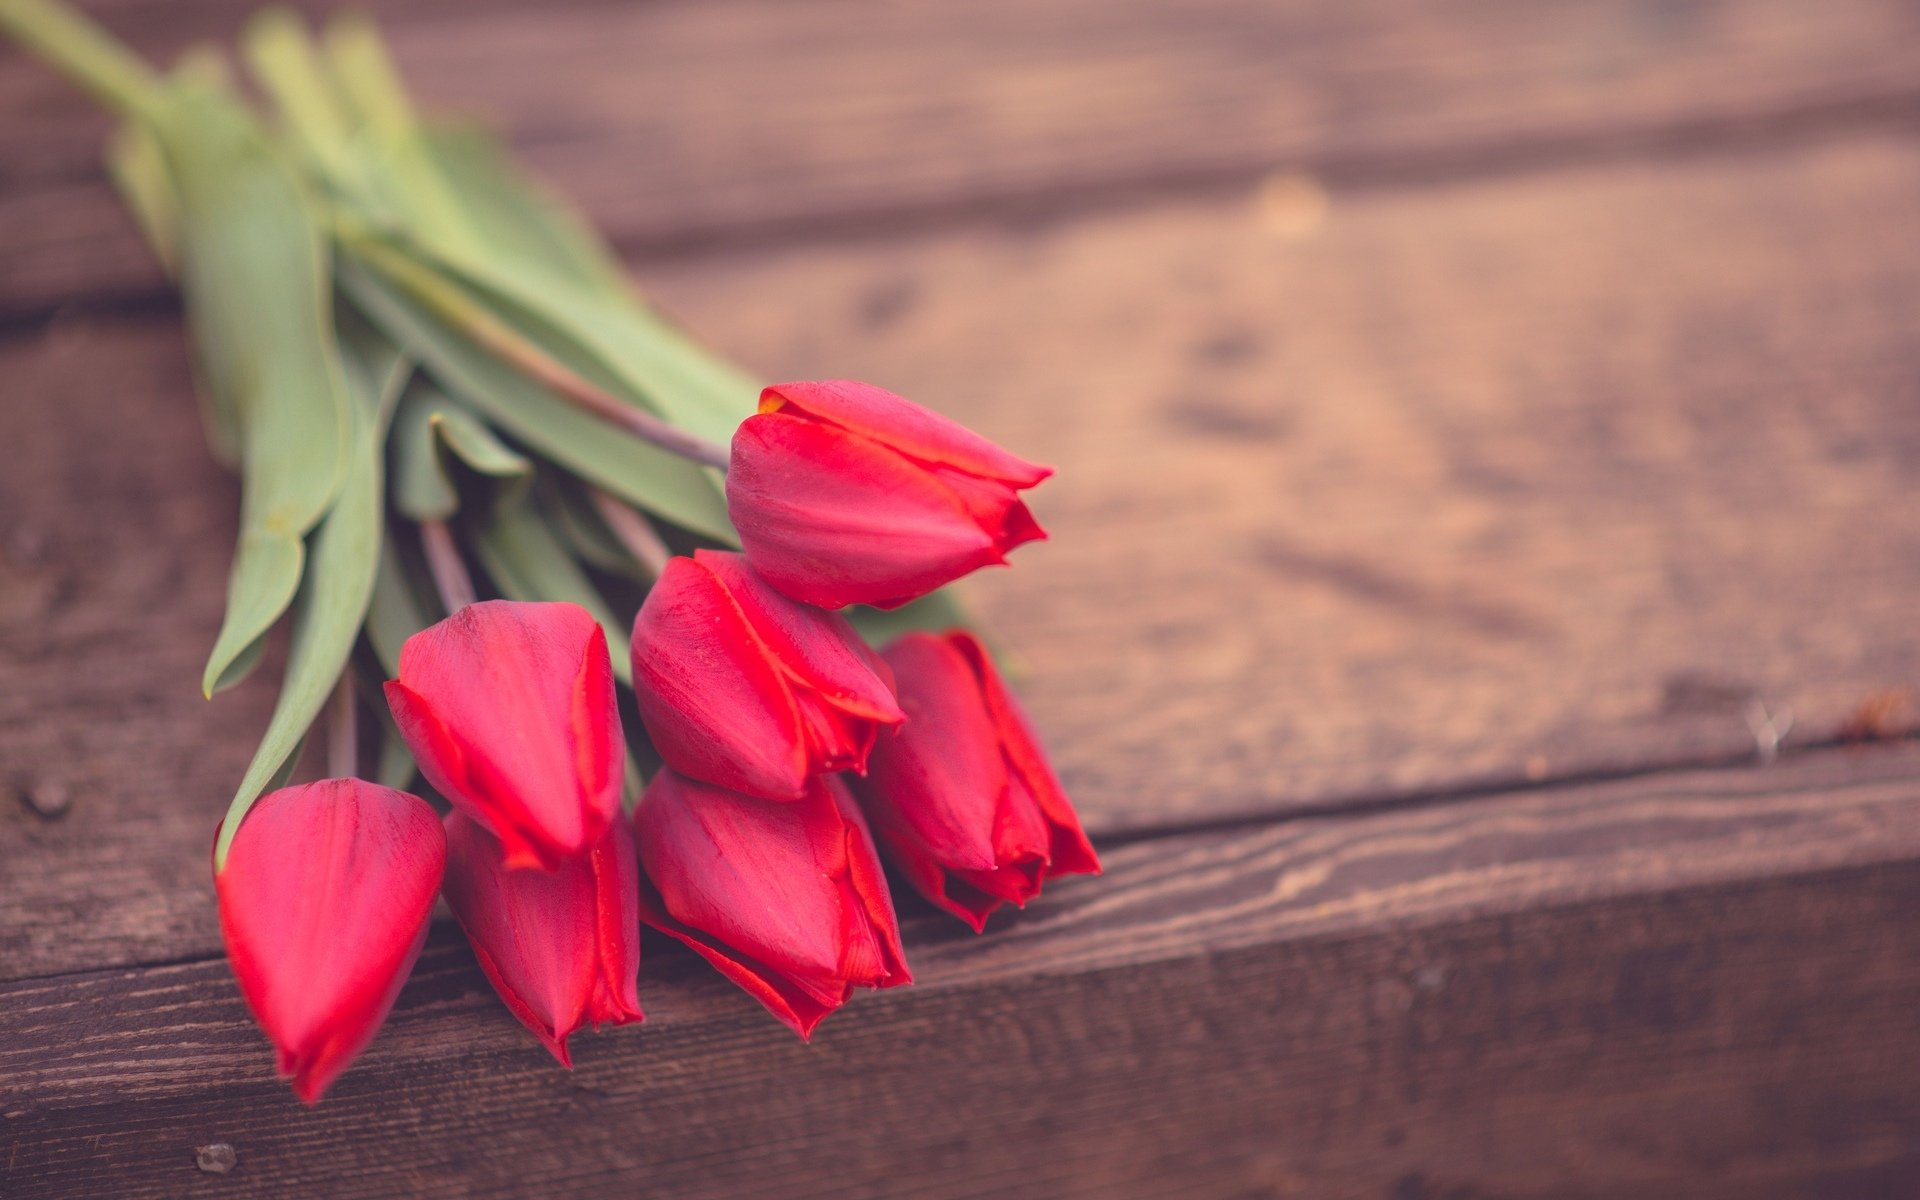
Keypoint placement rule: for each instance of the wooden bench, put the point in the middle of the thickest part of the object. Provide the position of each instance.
(1488, 442)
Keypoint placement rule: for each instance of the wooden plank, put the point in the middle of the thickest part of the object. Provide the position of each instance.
(680, 124)
(1550, 476)
(1697, 985)
(1543, 478)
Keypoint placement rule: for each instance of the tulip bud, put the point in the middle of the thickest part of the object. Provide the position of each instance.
(323, 905)
(741, 687)
(562, 947)
(509, 710)
(961, 798)
(845, 493)
(786, 900)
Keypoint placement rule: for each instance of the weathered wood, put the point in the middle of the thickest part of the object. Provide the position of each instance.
(683, 124)
(1546, 477)
(1696, 985)
(1373, 499)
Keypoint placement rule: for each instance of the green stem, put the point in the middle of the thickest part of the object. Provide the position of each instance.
(449, 570)
(633, 532)
(84, 52)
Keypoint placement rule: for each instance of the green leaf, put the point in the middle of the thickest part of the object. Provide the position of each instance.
(138, 167)
(510, 211)
(571, 515)
(288, 67)
(934, 613)
(389, 130)
(473, 214)
(396, 611)
(643, 475)
(541, 264)
(577, 317)
(139, 173)
(339, 584)
(254, 273)
(396, 767)
(527, 562)
(465, 202)
(284, 775)
(428, 423)
(73, 44)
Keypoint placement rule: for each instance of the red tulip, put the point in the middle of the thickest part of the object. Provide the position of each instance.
(509, 710)
(323, 904)
(962, 798)
(787, 900)
(845, 493)
(744, 688)
(563, 947)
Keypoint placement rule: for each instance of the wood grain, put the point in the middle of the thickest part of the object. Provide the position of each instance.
(1552, 476)
(1592, 455)
(684, 125)
(1698, 985)
(1538, 478)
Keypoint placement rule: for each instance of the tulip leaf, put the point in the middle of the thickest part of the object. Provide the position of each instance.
(428, 425)
(254, 273)
(613, 459)
(574, 518)
(481, 217)
(682, 380)
(393, 761)
(339, 580)
(284, 775)
(474, 444)
(396, 611)
(937, 612)
(388, 128)
(138, 168)
(473, 217)
(139, 173)
(395, 768)
(289, 69)
(532, 253)
(509, 211)
(527, 562)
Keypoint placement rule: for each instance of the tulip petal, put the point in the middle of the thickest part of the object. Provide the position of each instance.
(819, 649)
(561, 947)
(865, 885)
(459, 771)
(962, 796)
(508, 708)
(944, 889)
(323, 905)
(1070, 851)
(616, 870)
(787, 900)
(713, 704)
(749, 872)
(994, 507)
(895, 421)
(942, 771)
(599, 748)
(800, 1008)
(833, 519)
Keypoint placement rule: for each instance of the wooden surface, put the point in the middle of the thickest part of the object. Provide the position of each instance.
(1352, 1006)
(1483, 430)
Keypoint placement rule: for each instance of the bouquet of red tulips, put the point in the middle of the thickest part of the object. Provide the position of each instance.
(438, 389)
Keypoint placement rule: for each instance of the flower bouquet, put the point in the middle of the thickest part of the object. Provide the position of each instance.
(661, 658)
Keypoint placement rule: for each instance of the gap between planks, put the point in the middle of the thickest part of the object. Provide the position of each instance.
(1366, 174)
(1358, 811)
